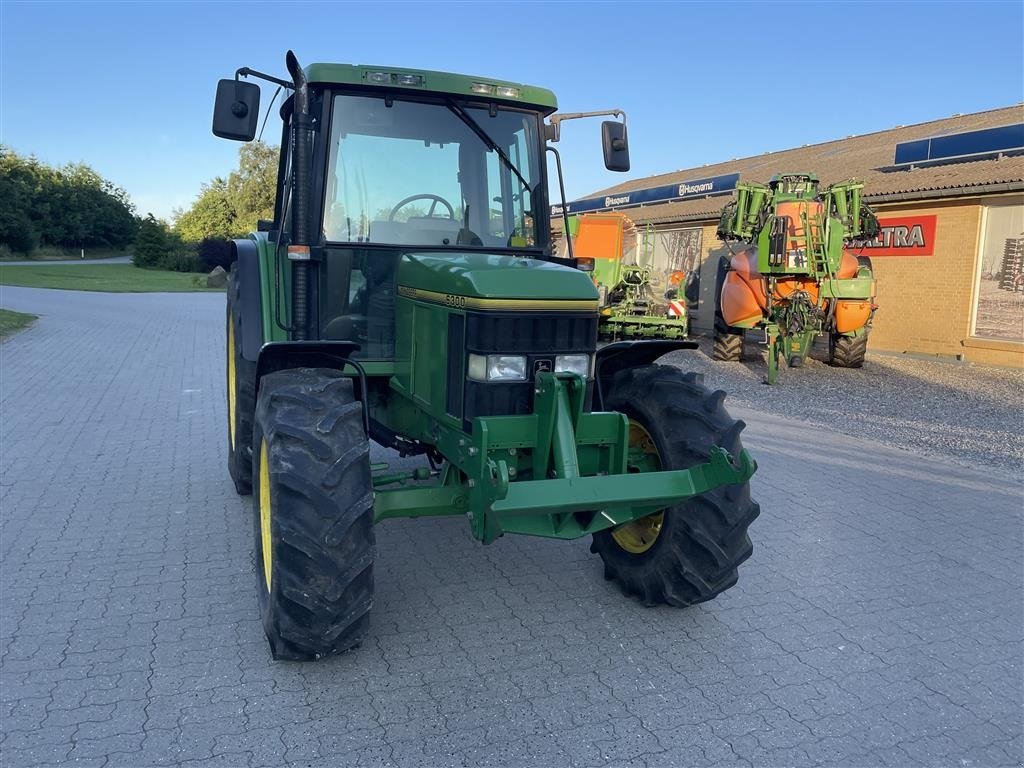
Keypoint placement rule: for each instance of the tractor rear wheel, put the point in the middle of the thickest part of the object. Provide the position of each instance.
(690, 552)
(313, 514)
(847, 351)
(241, 393)
(728, 346)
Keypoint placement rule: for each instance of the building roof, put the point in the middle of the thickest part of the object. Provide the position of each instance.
(868, 158)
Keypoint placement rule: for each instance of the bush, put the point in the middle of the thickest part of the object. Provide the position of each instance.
(150, 243)
(17, 232)
(215, 252)
(181, 259)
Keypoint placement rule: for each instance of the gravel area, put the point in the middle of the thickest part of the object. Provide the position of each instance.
(969, 413)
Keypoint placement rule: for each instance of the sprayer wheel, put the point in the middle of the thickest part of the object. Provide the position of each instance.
(690, 552)
(847, 351)
(728, 346)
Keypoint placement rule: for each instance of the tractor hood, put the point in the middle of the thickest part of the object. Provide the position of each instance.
(488, 276)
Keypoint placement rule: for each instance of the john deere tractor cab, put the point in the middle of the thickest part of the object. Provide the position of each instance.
(405, 293)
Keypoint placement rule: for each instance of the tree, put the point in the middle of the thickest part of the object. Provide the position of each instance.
(150, 243)
(231, 207)
(211, 215)
(252, 188)
(72, 206)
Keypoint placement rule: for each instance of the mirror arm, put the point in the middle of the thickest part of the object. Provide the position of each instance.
(246, 72)
(555, 121)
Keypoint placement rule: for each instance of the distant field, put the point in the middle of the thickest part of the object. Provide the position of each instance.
(114, 278)
(12, 322)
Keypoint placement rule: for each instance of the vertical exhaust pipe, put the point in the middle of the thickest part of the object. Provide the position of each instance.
(298, 249)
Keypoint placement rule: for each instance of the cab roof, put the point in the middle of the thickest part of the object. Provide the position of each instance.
(429, 81)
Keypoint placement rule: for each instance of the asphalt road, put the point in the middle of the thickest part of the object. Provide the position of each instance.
(879, 622)
(45, 263)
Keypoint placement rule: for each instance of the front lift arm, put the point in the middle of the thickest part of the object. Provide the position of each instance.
(577, 463)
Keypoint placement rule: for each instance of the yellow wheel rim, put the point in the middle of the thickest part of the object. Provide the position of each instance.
(639, 536)
(231, 383)
(267, 547)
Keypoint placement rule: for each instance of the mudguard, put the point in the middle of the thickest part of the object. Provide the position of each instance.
(620, 355)
(248, 301)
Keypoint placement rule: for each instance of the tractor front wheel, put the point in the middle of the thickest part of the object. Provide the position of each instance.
(690, 552)
(312, 514)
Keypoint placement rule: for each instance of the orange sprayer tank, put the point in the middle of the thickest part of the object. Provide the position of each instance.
(852, 314)
(796, 210)
(743, 300)
(847, 266)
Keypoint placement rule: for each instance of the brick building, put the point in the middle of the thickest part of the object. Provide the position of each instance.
(950, 198)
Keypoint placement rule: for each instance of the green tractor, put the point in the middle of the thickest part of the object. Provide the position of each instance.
(797, 279)
(405, 294)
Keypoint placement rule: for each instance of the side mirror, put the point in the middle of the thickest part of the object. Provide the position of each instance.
(236, 110)
(615, 145)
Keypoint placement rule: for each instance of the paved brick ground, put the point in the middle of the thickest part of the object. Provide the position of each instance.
(878, 623)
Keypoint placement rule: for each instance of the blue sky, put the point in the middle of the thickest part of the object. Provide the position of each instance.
(128, 87)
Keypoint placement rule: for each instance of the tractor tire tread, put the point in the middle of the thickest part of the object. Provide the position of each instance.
(703, 540)
(322, 514)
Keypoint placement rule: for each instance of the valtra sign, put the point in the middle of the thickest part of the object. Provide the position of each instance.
(903, 236)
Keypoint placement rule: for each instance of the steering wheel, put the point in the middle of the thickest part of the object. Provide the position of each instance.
(425, 196)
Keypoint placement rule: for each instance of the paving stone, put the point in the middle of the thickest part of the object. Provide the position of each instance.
(880, 620)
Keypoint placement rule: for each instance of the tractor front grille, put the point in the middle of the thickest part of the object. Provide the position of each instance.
(505, 332)
(539, 336)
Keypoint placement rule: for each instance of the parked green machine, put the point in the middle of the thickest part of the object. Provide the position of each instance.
(633, 311)
(405, 293)
(623, 270)
(797, 280)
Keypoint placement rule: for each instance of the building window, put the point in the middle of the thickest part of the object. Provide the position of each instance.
(674, 258)
(999, 311)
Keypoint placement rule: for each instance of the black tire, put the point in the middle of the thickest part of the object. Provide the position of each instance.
(728, 346)
(847, 351)
(320, 519)
(242, 379)
(703, 540)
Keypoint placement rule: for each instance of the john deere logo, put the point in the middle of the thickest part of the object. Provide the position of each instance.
(542, 366)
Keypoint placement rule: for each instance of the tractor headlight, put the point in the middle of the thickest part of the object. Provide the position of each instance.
(497, 367)
(579, 364)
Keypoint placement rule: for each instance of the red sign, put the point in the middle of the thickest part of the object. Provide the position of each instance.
(904, 236)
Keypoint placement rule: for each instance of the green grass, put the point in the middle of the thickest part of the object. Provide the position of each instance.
(115, 278)
(12, 322)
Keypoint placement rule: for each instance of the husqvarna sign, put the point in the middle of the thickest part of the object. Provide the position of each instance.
(715, 185)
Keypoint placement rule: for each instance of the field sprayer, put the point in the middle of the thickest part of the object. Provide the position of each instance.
(797, 279)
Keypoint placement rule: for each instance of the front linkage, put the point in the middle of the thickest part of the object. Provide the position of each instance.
(578, 469)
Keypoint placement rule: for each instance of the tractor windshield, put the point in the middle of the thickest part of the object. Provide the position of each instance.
(432, 174)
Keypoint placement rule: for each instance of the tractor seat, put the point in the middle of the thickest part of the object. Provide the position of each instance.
(346, 328)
